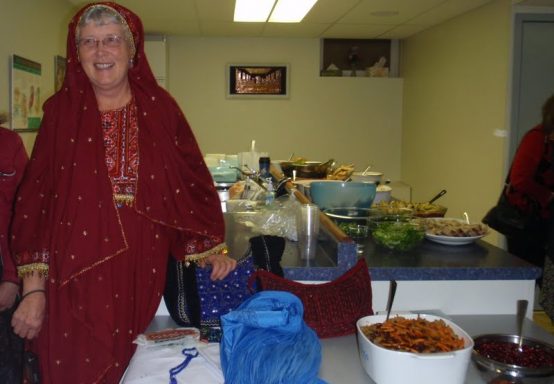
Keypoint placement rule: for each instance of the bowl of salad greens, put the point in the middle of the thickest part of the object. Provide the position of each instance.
(351, 220)
(397, 232)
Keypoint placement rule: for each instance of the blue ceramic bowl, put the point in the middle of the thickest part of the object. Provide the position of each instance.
(337, 194)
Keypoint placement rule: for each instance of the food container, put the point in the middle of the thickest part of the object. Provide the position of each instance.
(352, 221)
(383, 194)
(419, 209)
(386, 366)
(398, 232)
(336, 194)
(307, 169)
(503, 347)
(373, 177)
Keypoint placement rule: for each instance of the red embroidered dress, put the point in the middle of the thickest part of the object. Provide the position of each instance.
(122, 152)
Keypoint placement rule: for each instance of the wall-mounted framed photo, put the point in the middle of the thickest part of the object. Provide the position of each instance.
(59, 72)
(25, 94)
(257, 80)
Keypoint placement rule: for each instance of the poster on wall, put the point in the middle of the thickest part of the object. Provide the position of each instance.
(59, 71)
(25, 94)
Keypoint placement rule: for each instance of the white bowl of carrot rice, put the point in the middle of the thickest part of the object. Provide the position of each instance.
(415, 349)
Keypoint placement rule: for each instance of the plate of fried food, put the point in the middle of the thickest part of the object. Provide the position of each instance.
(423, 209)
(450, 231)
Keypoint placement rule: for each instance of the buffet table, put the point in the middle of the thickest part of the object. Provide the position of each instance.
(340, 363)
(456, 280)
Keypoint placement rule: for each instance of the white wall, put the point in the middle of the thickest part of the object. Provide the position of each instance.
(353, 120)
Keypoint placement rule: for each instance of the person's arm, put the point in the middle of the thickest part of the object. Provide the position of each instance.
(217, 256)
(9, 283)
(18, 163)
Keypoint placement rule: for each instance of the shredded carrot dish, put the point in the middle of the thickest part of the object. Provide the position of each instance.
(414, 335)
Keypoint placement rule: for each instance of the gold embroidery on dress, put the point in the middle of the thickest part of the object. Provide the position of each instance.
(121, 198)
(195, 258)
(30, 269)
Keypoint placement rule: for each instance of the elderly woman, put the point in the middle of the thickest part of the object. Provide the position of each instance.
(115, 184)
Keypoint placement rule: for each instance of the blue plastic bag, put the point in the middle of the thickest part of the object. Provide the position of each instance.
(265, 340)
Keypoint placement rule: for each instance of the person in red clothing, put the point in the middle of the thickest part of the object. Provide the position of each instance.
(13, 159)
(532, 187)
(531, 182)
(115, 185)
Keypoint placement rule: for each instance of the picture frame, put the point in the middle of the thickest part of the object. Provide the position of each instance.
(258, 81)
(25, 94)
(59, 72)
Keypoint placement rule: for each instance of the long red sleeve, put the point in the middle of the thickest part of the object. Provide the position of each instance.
(13, 159)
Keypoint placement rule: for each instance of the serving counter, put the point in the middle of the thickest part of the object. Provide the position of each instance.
(463, 279)
(340, 359)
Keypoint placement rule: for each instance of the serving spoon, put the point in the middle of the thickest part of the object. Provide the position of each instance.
(521, 311)
(441, 193)
(392, 292)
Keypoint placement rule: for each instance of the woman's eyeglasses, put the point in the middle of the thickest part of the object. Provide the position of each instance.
(111, 41)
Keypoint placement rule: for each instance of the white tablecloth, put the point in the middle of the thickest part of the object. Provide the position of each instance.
(151, 365)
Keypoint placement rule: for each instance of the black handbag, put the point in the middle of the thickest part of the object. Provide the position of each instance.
(511, 221)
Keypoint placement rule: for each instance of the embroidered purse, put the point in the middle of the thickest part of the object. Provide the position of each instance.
(193, 299)
(331, 309)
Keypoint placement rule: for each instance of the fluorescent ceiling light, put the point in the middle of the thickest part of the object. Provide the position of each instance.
(253, 10)
(285, 11)
(291, 11)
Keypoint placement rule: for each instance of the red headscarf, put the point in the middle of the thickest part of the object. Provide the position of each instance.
(65, 209)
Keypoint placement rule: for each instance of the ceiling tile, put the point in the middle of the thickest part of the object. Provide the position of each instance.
(307, 30)
(183, 10)
(329, 11)
(448, 10)
(215, 10)
(230, 29)
(403, 31)
(407, 9)
(356, 31)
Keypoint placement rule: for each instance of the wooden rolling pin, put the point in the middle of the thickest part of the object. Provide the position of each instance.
(324, 220)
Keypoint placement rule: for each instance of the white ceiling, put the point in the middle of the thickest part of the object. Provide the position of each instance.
(328, 18)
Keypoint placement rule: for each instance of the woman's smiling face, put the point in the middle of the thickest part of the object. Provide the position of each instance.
(104, 55)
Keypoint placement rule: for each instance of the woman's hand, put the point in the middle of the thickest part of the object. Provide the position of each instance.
(28, 317)
(221, 265)
(8, 293)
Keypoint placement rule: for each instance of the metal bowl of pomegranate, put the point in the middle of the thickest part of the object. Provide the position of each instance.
(499, 359)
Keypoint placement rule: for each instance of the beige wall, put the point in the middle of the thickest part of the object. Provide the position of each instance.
(34, 29)
(353, 120)
(434, 128)
(456, 78)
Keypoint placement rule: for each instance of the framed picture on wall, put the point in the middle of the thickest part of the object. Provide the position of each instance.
(257, 81)
(25, 94)
(59, 72)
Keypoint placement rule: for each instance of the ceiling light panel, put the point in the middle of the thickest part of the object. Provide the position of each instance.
(291, 11)
(253, 10)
